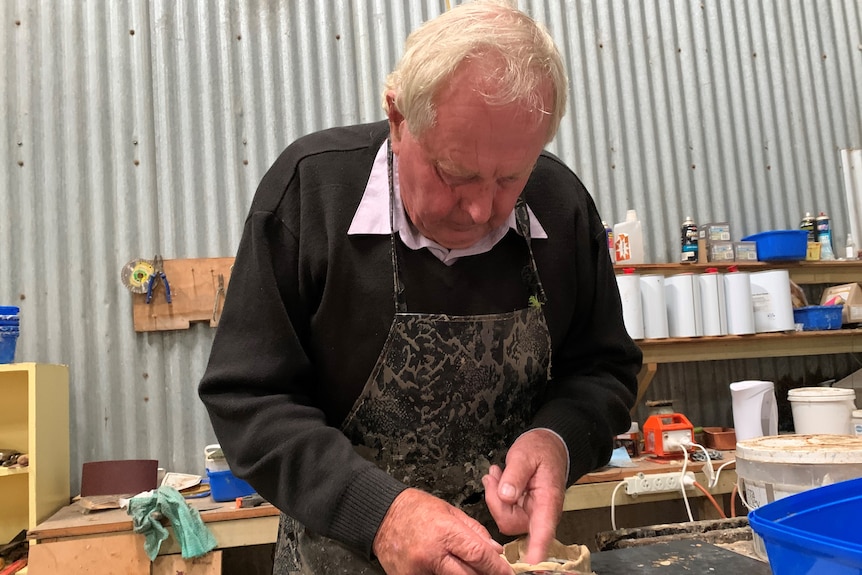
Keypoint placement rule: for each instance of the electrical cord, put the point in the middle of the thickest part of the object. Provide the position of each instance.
(613, 499)
(718, 472)
(682, 482)
(733, 501)
(711, 498)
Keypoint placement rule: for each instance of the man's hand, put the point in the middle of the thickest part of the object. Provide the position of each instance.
(423, 535)
(528, 496)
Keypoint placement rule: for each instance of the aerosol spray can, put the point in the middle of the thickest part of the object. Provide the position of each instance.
(689, 241)
(824, 236)
(609, 234)
(807, 224)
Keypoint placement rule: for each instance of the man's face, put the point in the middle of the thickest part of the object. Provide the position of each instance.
(461, 179)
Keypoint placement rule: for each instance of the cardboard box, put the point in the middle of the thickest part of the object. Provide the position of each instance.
(714, 232)
(721, 252)
(745, 251)
(848, 294)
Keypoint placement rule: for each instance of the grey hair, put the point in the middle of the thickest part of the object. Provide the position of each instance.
(522, 56)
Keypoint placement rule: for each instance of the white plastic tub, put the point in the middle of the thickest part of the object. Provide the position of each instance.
(819, 410)
(773, 467)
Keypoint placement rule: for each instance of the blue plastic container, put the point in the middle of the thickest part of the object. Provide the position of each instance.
(8, 342)
(780, 245)
(815, 532)
(818, 317)
(9, 315)
(225, 486)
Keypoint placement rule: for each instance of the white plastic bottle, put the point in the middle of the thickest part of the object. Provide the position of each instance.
(629, 240)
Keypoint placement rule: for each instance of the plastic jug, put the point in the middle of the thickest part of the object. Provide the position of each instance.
(629, 240)
(755, 412)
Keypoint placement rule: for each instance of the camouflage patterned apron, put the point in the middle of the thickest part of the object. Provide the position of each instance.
(447, 397)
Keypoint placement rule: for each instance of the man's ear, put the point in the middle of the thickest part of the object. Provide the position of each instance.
(396, 120)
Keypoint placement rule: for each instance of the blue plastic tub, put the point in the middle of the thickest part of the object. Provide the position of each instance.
(815, 532)
(818, 317)
(8, 342)
(9, 315)
(225, 486)
(780, 245)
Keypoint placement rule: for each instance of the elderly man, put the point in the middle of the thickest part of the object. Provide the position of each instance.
(423, 344)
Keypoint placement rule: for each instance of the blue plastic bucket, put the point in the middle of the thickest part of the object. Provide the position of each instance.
(9, 315)
(815, 532)
(8, 340)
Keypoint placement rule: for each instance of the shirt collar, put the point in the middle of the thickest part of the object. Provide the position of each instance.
(372, 217)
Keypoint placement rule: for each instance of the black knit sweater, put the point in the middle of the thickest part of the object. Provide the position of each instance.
(308, 309)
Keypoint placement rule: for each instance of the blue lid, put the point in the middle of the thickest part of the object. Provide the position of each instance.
(9, 310)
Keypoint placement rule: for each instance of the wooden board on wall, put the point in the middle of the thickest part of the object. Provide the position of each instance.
(194, 295)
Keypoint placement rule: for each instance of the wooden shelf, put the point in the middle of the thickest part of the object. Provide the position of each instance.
(832, 272)
(35, 422)
(787, 344)
(781, 344)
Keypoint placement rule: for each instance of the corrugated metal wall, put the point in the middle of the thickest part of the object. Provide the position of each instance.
(135, 127)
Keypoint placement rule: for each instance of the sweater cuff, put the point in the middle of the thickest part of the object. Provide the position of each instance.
(362, 508)
(578, 435)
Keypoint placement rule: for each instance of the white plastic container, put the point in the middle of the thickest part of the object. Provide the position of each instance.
(771, 300)
(822, 409)
(629, 286)
(713, 306)
(214, 459)
(773, 467)
(654, 306)
(856, 422)
(629, 241)
(740, 308)
(682, 297)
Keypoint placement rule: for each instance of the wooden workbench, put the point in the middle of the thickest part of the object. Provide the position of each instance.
(74, 543)
(594, 490)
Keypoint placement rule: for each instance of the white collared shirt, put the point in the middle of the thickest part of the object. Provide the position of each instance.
(372, 217)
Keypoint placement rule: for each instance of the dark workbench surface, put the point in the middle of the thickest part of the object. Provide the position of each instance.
(684, 557)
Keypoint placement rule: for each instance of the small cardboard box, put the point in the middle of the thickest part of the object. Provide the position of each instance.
(848, 294)
(714, 232)
(721, 252)
(745, 251)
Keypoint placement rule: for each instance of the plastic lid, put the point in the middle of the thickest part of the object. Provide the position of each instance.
(631, 216)
(732, 269)
(9, 310)
(711, 270)
(857, 413)
(817, 394)
(802, 449)
(628, 270)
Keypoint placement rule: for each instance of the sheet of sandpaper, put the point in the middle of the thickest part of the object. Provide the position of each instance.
(682, 557)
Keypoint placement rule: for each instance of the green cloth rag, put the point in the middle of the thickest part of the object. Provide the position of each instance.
(192, 533)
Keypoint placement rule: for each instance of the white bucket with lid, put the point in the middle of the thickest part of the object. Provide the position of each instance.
(822, 409)
(770, 468)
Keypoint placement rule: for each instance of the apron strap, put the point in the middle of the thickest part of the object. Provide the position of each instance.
(398, 288)
(531, 274)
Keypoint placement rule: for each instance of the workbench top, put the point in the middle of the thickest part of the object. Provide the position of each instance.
(71, 521)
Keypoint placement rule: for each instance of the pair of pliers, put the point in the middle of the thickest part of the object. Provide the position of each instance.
(158, 274)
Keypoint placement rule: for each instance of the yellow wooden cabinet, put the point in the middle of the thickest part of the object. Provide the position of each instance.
(34, 420)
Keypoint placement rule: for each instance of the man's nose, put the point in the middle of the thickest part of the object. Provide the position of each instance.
(478, 201)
